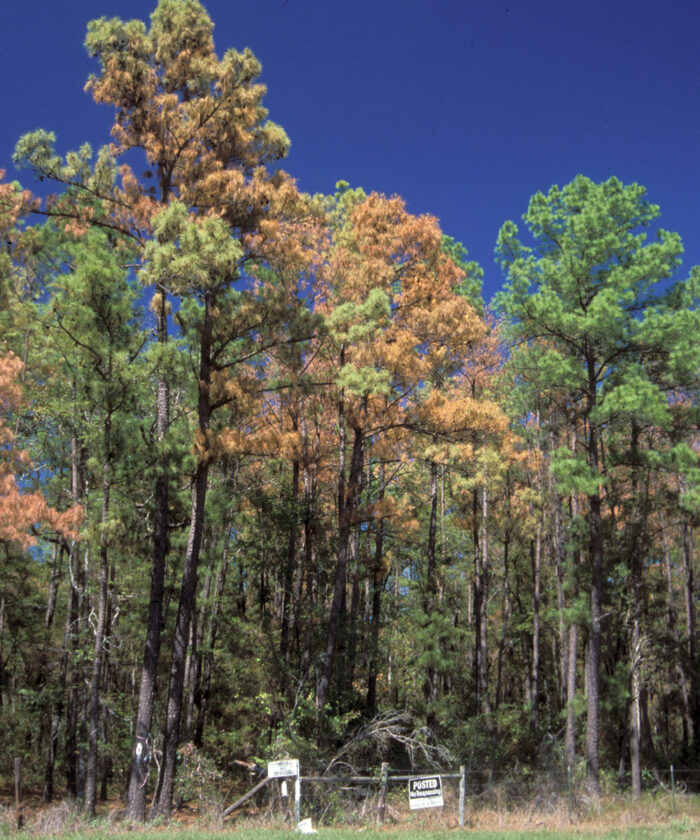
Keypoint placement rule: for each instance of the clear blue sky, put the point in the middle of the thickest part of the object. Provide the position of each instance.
(463, 107)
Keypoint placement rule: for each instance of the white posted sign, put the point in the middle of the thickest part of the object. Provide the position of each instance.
(425, 792)
(280, 769)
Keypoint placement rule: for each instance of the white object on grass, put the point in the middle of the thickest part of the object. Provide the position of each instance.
(304, 827)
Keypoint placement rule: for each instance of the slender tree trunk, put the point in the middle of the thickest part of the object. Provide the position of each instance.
(308, 571)
(691, 629)
(594, 640)
(377, 586)
(103, 594)
(572, 635)
(635, 728)
(188, 587)
(559, 561)
(676, 664)
(636, 540)
(193, 665)
(56, 706)
(54, 582)
(483, 607)
(162, 802)
(595, 554)
(289, 566)
(208, 653)
(76, 598)
(140, 753)
(352, 613)
(506, 621)
(392, 682)
(346, 503)
(572, 659)
(431, 680)
(2, 639)
(536, 553)
(474, 608)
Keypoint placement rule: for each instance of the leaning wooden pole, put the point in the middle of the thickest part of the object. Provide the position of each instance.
(246, 797)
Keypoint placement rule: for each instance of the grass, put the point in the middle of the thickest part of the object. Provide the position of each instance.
(672, 831)
(653, 817)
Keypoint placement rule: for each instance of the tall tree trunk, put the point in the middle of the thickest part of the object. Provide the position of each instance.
(559, 562)
(595, 555)
(474, 606)
(54, 582)
(635, 728)
(431, 679)
(140, 753)
(594, 638)
(572, 633)
(208, 652)
(193, 662)
(347, 489)
(482, 618)
(76, 604)
(691, 629)
(309, 570)
(352, 613)
(57, 704)
(377, 586)
(536, 555)
(162, 802)
(103, 594)
(289, 567)
(572, 659)
(635, 531)
(676, 664)
(505, 609)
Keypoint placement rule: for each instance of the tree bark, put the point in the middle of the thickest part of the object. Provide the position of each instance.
(572, 633)
(431, 679)
(595, 554)
(162, 802)
(482, 618)
(76, 615)
(635, 542)
(691, 629)
(536, 555)
(346, 508)
(572, 660)
(593, 648)
(352, 631)
(377, 586)
(208, 653)
(289, 565)
(676, 663)
(103, 594)
(506, 617)
(140, 752)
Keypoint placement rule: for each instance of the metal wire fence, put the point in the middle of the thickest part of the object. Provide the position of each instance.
(381, 795)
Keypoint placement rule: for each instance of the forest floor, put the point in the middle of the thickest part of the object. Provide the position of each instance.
(654, 817)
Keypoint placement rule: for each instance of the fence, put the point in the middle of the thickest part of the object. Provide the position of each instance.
(382, 794)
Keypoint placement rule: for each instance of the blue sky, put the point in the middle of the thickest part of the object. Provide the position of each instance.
(463, 107)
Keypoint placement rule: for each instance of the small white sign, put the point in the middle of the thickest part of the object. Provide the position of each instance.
(425, 792)
(280, 769)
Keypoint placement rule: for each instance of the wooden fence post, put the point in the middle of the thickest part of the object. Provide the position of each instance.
(462, 793)
(381, 804)
(297, 800)
(18, 792)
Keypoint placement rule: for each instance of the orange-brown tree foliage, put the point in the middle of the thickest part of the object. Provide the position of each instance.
(23, 512)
